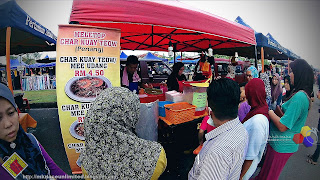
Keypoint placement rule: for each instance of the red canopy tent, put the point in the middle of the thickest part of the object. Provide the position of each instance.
(149, 25)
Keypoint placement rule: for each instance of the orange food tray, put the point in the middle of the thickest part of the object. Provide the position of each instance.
(170, 123)
(197, 150)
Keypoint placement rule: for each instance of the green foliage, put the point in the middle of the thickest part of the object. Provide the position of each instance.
(14, 57)
(30, 58)
(221, 56)
(41, 96)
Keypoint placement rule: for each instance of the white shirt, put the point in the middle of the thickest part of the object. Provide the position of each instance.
(222, 154)
(258, 130)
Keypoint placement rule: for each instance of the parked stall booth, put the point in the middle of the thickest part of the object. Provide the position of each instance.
(39, 77)
(178, 28)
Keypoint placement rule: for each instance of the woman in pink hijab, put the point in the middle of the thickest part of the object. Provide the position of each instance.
(276, 91)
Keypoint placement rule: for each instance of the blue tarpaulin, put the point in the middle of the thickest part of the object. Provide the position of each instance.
(49, 64)
(184, 61)
(14, 63)
(123, 56)
(27, 35)
(272, 48)
(150, 56)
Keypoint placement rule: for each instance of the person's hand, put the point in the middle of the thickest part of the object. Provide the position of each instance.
(218, 77)
(145, 85)
(318, 95)
(270, 112)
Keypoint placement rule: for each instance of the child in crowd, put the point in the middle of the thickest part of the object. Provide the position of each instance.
(206, 125)
(244, 107)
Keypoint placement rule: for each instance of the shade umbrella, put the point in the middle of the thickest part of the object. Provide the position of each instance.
(20, 33)
(150, 25)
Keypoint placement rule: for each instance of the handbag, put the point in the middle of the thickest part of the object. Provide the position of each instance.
(278, 111)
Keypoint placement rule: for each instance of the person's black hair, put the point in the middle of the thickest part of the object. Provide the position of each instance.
(132, 59)
(243, 84)
(74, 22)
(176, 67)
(303, 76)
(203, 57)
(287, 77)
(224, 98)
(211, 60)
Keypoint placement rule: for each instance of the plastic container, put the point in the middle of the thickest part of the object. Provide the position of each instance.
(153, 91)
(147, 98)
(200, 112)
(189, 94)
(181, 112)
(162, 111)
(174, 96)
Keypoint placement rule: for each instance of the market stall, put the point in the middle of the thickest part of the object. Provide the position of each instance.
(39, 77)
(17, 70)
(23, 34)
(267, 47)
(187, 28)
(176, 28)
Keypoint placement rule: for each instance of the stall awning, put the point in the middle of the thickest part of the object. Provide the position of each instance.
(149, 25)
(27, 35)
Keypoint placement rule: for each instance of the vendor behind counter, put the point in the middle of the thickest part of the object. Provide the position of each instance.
(129, 76)
(176, 78)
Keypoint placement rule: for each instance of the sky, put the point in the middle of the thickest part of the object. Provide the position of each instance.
(293, 23)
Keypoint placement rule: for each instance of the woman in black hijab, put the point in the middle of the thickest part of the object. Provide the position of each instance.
(288, 86)
(302, 77)
(281, 145)
(176, 77)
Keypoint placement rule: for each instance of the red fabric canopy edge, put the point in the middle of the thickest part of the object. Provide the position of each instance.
(99, 12)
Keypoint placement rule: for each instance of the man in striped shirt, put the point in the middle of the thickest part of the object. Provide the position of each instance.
(225, 147)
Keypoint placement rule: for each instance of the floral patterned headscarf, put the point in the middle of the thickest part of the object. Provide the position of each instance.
(254, 71)
(265, 78)
(112, 150)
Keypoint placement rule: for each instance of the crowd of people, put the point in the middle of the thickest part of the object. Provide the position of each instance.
(266, 131)
(241, 128)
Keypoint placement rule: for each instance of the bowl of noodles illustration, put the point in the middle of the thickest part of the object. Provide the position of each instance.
(86, 89)
(77, 130)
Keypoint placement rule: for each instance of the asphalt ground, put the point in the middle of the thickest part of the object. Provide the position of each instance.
(49, 135)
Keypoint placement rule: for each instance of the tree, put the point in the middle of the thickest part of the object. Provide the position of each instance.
(30, 58)
(14, 57)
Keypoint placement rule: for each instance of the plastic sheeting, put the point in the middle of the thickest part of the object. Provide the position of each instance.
(147, 126)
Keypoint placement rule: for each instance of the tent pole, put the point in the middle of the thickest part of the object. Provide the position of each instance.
(256, 63)
(256, 54)
(8, 36)
(174, 52)
(288, 65)
(262, 63)
(262, 59)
